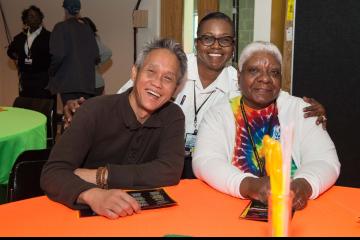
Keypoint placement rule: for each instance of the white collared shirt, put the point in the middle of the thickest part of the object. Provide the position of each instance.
(224, 83)
(30, 39)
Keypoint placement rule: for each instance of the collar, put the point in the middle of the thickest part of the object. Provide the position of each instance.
(222, 82)
(35, 33)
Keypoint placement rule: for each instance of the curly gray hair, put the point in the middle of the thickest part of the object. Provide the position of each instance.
(258, 46)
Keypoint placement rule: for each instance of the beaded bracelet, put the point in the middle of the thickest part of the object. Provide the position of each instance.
(100, 177)
(104, 179)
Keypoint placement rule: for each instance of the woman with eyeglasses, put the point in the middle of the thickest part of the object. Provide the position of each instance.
(210, 76)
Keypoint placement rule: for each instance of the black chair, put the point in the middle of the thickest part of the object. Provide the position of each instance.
(24, 179)
(46, 107)
(187, 172)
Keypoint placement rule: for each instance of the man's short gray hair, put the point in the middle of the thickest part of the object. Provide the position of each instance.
(170, 45)
(258, 46)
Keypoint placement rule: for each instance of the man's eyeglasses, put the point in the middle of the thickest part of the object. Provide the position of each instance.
(208, 40)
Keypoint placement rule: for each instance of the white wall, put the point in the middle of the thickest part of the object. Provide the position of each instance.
(153, 30)
(114, 22)
(262, 20)
(188, 26)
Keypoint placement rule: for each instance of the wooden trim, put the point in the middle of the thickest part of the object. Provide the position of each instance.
(172, 14)
(206, 6)
(288, 45)
(278, 10)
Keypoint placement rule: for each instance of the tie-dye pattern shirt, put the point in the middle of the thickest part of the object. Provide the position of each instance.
(261, 122)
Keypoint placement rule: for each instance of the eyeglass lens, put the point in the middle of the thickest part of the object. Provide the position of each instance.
(210, 40)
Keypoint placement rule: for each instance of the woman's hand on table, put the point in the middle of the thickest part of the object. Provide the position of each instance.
(256, 188)
(302, 191)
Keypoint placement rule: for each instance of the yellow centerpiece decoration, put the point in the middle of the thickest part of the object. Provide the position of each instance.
(277, 166)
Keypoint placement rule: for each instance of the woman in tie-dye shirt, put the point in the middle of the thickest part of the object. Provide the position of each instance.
(230, 136)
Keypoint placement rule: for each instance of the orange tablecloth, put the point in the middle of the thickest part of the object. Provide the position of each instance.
(201, 211)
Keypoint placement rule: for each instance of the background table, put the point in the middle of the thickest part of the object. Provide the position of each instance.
(201, 211)
(20, 130)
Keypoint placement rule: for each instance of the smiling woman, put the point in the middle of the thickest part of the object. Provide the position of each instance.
(214, 45)
(260, 74)
(231, 135)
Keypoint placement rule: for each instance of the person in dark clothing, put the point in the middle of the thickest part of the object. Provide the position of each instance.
(105, 54)
(132, 140)
(30, 51)
(74, 55)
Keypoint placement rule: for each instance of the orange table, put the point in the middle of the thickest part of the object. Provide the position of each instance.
(201, 211)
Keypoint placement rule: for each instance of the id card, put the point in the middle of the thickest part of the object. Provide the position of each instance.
(190, 141)
(28, 61)
(255, 210)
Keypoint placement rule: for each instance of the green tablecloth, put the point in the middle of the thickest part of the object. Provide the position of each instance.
(20, 130)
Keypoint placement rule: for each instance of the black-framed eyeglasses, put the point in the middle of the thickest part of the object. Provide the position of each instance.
(208, 40)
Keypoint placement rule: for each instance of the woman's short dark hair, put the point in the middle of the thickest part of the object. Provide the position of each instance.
(25, 13)
(215, 15)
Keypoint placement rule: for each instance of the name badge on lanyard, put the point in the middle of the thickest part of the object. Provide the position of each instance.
(190, 138)
(190, 141)
(28, 61)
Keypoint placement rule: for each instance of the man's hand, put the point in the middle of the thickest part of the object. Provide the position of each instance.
(69, 110)
(111, 203)
(302, 191)
(315, 110)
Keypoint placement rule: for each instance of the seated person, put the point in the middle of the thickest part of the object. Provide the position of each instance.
(132, 140)
(210, 75)
(209, 78)
(224, 155)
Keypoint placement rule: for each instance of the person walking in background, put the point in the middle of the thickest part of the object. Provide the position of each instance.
(105, 54)
(30, 51)
(74, 55)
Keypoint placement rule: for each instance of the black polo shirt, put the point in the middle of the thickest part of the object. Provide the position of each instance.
(105, 131)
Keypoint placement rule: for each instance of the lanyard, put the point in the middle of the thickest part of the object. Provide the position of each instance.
(28, 46)
(258, 160)
(196, 111)
(28, 54)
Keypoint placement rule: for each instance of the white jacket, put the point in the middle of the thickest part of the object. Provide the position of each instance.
(313, 151)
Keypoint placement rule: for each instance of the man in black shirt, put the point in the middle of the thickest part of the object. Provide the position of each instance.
(132, 140)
